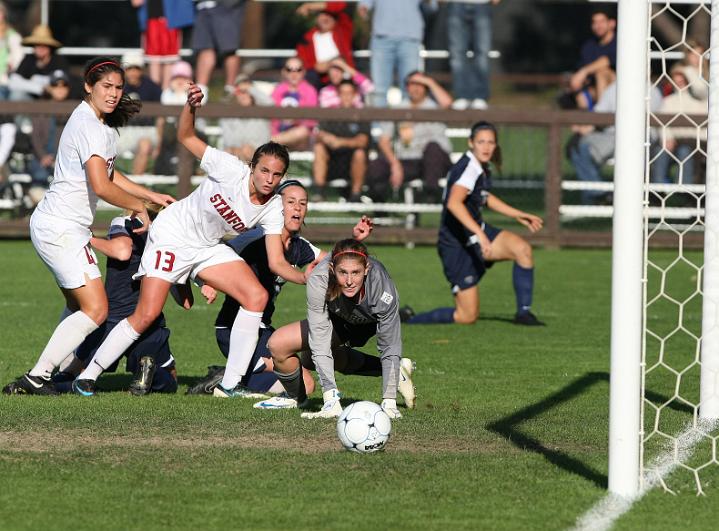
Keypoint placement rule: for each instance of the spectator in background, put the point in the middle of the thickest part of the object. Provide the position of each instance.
(330, 38)
(242, 136)
(141, 136)
(10, 51)
(397, 33)
(591, 147)
(166, 162)
(293, 91)
(682, 144)
(342, 146)
(46, 132)
(8, 130)
(420, 150)
(217, 30)
(469, 27)
(180, 79)
(161, 23)
(33, 73)
(598, 59)
(339, 71)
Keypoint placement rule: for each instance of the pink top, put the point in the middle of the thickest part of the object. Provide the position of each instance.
(305, 95)
(330, 98)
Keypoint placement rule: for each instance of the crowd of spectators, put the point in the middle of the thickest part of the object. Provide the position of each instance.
(323, 73)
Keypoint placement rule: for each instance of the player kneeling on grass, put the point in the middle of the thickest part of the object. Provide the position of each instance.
(150, 358)
(350, 298)
(468, 246)
(186, 240)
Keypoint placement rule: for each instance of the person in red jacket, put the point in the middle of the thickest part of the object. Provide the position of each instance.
(331, 37)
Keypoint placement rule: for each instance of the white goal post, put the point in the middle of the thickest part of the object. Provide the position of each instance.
(647, 384)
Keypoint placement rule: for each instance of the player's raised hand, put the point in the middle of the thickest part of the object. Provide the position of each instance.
(209, 293)
(194, 96)
(161, 199)
(363, 228)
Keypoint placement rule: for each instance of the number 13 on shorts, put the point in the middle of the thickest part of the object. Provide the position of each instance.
(164, 260)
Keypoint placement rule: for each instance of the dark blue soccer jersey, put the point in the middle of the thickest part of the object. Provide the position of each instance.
(469, 173)
(251, 247)
(122, 291)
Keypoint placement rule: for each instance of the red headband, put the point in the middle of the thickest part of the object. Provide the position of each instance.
(350, 251)
(98, 65)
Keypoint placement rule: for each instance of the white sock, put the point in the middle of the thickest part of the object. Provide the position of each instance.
(117, 341)
(243, 340)
(65, 339)
(66, 312)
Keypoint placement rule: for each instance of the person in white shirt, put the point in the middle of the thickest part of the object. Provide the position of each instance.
(60, 225)
(186, 240)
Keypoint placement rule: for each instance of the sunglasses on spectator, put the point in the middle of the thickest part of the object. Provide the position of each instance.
(295, 69)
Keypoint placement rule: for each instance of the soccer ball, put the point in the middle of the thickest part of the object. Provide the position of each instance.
(364, 427)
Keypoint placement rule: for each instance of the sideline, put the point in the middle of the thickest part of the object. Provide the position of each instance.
(602, 515)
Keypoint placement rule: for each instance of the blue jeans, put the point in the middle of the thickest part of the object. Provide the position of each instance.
(390, 54)
(470, 28)
(587, 170)
(660, 173)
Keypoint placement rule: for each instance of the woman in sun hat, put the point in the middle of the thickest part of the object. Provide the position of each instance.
(33, 73)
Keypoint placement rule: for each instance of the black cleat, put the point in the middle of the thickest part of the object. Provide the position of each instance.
(527, 319)
(206, 386)
(83, 387)
(406, 313)
(142, 384)
(63, 376)
(30, 385)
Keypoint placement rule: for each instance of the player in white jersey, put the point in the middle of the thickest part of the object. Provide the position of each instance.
(60, 226)
(186, 239)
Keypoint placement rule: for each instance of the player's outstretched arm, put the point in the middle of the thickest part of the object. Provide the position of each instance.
(121, 180)
(182, 293)
(119, 247)
(186, 134)
(532, 222)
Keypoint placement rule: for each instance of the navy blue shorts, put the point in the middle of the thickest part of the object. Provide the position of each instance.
(154, 342)
(464, 266)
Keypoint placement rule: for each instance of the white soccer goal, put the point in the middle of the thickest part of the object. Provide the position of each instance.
(664, 384)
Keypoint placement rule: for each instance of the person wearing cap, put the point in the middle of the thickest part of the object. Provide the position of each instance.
(172, 158)
(11, 52)
(33, 74)
(180, 78)
(141, 136)
(241, 136)
(338, 71)
(330, 38)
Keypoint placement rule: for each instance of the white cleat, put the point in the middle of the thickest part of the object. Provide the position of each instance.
(330, 410)
(390, 407)
(277, 402)
(238, 392)
(406, 387)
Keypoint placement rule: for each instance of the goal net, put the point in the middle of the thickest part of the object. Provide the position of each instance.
(678, 433)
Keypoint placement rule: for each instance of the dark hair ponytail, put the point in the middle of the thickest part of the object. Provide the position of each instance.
(349, 248)
(127, 107)
(487, 126)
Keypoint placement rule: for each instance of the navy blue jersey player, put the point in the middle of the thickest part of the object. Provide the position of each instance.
(468, 245)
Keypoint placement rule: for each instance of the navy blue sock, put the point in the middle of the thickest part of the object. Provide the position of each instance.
(523, 280)
(436, 316)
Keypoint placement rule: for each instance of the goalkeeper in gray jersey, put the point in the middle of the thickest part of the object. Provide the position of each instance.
(350, 298)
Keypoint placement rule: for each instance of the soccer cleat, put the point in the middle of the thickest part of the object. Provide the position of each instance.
(406, 387)
(142, 384)
(331, 408)
(239, 391)
(206, 386)
(527, 319)
(406, 313)
(83, 387)
(391, 409)
(30, 385)
(281, 401)
(63, 376)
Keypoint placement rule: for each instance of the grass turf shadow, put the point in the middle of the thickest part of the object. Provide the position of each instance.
(507, 427)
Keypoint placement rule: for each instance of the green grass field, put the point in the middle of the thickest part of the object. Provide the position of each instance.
(510, 431)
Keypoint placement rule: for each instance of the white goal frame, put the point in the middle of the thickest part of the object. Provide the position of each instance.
(629, 246)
